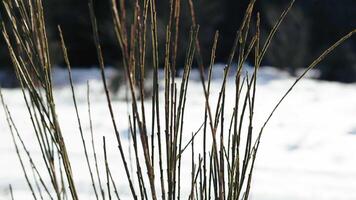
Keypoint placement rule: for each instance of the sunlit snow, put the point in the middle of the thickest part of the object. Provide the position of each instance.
(308, 150)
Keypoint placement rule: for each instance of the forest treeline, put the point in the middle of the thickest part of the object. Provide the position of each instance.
(310, 27)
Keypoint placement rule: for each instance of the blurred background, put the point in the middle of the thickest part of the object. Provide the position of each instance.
(309, 151)
(310, 27)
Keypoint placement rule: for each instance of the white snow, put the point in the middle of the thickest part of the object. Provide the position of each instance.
(307, 150)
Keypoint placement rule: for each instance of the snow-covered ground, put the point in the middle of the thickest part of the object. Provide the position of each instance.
(307, 151)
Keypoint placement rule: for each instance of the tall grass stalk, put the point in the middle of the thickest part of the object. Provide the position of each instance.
(222, 169)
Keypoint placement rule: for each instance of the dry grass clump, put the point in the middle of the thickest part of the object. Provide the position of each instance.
(223, 169)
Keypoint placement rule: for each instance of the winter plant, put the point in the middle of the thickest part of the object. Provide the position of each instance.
(222, 169)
